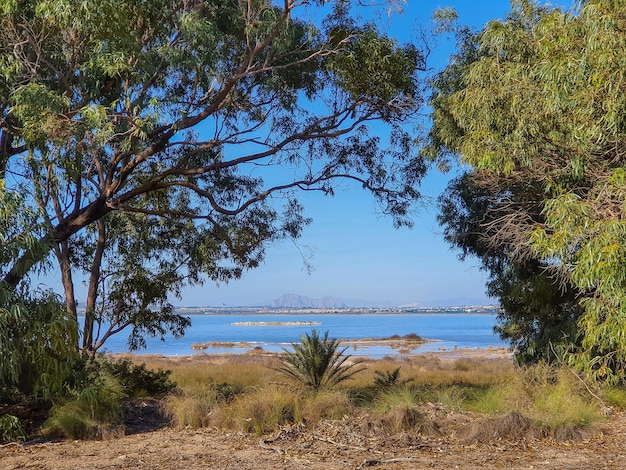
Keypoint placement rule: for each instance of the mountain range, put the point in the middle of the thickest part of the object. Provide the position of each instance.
(301, 301)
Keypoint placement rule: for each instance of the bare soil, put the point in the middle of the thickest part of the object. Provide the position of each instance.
(452, 440)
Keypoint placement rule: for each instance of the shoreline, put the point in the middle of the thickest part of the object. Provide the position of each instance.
(487, 353)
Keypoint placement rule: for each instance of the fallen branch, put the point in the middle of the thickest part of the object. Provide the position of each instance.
(371, 463)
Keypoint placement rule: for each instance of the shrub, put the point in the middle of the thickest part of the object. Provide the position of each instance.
(400, 408)
(389, 379)
(260, 411)
(397, 397)
(11, 429)
(332, 404)
(553, 398)
(317, 362)
(138, 380)
(91, 412)
(193, 408)
(615, 396)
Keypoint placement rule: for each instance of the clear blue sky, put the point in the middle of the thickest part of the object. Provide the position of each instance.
(356, 253)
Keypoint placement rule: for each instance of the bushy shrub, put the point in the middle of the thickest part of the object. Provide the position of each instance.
(260, 411)
(92, 410)
(137, 380)
(11, 429)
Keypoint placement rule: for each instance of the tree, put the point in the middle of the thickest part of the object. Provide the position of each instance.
(538, 314)
(162, 143)
(537, 100)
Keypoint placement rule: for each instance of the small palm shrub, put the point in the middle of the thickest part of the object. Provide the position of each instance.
(317, 362)
(389, 379)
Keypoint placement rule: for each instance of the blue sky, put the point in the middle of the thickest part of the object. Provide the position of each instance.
(355, 252)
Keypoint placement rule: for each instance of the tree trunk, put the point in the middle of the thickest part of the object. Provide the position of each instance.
(92, 293)
(62, 232)
(63, 258)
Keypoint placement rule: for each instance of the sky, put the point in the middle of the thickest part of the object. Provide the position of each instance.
(354, 251)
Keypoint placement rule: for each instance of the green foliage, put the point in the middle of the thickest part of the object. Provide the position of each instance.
(11, 429)
(262, 411)
(38, 351)
(615, 396)
(398, 397)
(136, 380)
(555, 398)
(92, 408)
(318, 362)
(535, 104)
(135, 131)
(538, 314)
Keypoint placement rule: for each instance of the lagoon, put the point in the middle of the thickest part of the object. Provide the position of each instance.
(234, 333)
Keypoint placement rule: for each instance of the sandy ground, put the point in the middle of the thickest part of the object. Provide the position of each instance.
(351, 443)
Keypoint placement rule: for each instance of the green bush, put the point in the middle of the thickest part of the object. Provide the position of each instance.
(138, 380)
(11, 429)
(92, 410)
(389, 379)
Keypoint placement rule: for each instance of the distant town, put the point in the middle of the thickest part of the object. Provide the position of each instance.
(467, 309)
(300, 304)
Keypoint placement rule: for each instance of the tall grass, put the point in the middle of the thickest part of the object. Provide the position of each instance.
(553, 398)
(242, 393)
(95, 411)
(259, 411)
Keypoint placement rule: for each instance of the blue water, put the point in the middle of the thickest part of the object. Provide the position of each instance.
(449, 331)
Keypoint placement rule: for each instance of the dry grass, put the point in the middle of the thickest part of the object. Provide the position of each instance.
(195, 372)
(189, 409)
(260, 411)
(244, 393)
(330, 404)
(554, 399)
(431, 371)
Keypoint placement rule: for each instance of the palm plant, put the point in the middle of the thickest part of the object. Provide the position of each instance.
(389, 379)
(317, 362)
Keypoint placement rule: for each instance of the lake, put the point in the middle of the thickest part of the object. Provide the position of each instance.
(447, 330)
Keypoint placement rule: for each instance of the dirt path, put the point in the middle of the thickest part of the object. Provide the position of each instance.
(328, 446)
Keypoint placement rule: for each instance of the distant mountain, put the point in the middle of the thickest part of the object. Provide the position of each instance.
(301, 301)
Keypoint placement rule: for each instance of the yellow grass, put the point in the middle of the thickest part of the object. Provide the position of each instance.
(245, 393)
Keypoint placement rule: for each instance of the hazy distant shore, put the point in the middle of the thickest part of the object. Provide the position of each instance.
(463, 310)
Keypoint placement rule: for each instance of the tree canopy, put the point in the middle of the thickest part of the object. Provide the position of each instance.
(149, 145)
(535, 105)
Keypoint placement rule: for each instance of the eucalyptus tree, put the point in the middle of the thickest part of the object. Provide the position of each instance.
(163, 143)
(481, 217)
(536, 103)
